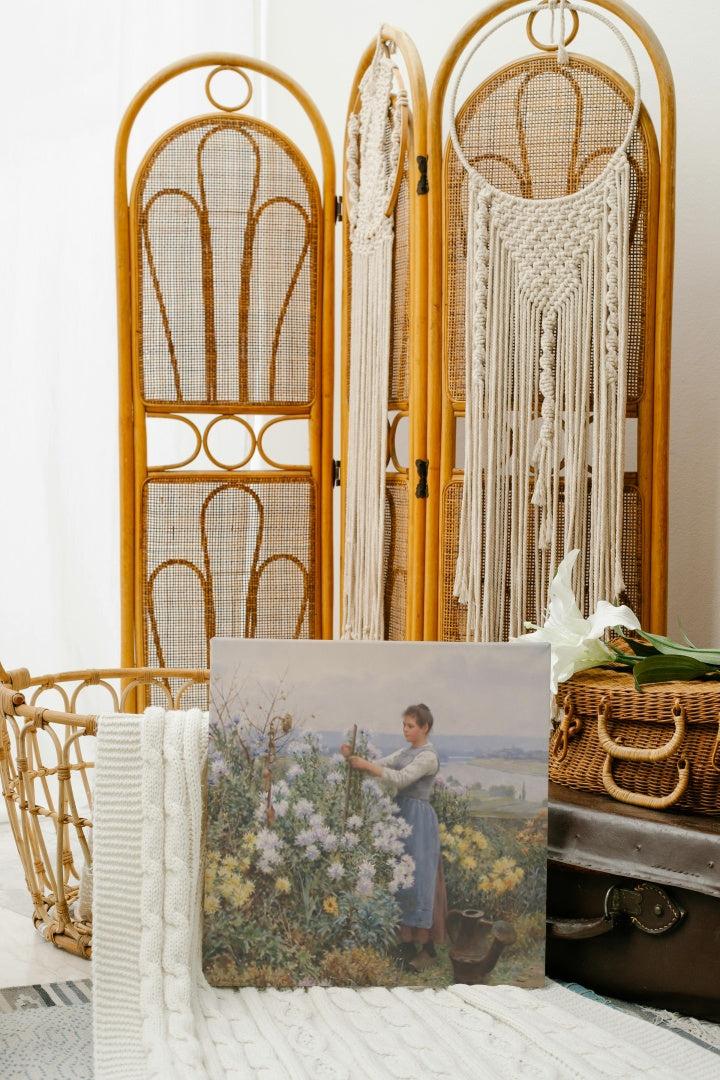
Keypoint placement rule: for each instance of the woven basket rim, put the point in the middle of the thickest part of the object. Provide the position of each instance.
(614, 678)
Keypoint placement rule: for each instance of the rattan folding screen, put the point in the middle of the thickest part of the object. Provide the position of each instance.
(225, 255)
(225, 285)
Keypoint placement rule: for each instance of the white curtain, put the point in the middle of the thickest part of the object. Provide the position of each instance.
(68, 71)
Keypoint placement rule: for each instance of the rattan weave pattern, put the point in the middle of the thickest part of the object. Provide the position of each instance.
(645, 721)
(233, 557)
(226, 215)
(396, 555)
(538, 130)
(453, 614)
(399, 387)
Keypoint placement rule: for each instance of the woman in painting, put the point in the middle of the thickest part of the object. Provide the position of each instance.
(410, 773)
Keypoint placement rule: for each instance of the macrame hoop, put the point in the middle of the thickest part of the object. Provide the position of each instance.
(533, 315)
(524, 13)
(374, 168)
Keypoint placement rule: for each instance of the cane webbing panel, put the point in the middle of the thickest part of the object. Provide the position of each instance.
(232, 557)
(539, 131)
(396, 556)
(452, 623)
(226, 215)
(398, 389)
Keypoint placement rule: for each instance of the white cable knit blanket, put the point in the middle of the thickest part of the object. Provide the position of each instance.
(156, 1016)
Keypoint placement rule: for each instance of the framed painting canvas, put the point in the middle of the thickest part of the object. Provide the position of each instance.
(376, 814)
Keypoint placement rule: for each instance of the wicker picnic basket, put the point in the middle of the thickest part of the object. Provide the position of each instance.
(46, 758)
(657, 748)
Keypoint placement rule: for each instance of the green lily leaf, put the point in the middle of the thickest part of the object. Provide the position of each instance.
(666, 668)
(687, 639)
(640, 648)
(672, 648)
(620, 657)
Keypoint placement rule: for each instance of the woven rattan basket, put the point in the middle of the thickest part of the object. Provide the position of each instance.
(659, 747)
(46, 758)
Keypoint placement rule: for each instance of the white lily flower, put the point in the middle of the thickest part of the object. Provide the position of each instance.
(575, 641)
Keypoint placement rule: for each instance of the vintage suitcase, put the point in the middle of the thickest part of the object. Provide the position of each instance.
(655, 748)
(634, 902)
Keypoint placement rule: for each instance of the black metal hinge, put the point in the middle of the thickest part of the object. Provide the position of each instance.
(338, 208)
(421, 491)
(336, 474)
(423, 187)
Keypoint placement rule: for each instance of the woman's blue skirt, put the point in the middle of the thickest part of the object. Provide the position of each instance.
(423, 844)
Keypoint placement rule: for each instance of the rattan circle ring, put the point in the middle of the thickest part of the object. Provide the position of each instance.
(238, 71)
(553, 45)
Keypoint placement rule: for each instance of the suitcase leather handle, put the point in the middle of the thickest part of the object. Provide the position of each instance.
(647, 905)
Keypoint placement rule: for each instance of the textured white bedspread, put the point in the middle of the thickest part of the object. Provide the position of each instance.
(155, 1015)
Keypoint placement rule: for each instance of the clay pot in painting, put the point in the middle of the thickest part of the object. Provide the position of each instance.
(476, 944)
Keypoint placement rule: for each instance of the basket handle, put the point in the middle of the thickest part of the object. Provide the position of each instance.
(652, 802)
(567, 729)
(633, 753)
(715, 755)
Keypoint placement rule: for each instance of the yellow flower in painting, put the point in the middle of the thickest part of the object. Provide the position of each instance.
(330, 905)
(503, 865)
(241, 893)
(245, 864)
(449, 856)
(458, 830)
(282, 885)
(469, 862)
(479, 840)
(248, 840)
(212, 904)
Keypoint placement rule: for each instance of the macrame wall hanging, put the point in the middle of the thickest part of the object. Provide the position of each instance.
(546, 340)
(375, 157)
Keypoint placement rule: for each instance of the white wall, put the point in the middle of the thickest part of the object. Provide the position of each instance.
(67, 73)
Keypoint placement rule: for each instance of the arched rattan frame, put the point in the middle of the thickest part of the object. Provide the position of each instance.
(653, 439)
(134, 410)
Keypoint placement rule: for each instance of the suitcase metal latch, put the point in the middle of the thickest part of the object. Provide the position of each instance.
(647, 906)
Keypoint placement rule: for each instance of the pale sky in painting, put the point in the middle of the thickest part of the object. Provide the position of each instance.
(331, 685)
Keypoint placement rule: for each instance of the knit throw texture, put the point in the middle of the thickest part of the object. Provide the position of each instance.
(156, 1016)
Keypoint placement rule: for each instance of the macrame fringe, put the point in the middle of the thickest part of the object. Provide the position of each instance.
(546, 350)
(547, 303)
(372, 162)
